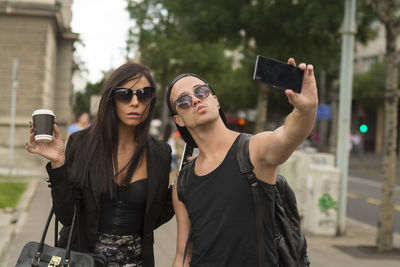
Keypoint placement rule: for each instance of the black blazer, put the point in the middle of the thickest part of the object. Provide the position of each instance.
(158, 205)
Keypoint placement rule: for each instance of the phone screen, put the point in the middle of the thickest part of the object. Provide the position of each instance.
(278, 74)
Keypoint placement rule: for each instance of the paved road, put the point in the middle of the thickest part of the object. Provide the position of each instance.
(369, 167)
(364, 201)
(364, 190)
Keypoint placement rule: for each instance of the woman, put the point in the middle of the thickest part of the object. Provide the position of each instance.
(114, 171)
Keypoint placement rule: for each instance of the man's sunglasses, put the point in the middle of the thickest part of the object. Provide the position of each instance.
(124, 95)
(185, 101)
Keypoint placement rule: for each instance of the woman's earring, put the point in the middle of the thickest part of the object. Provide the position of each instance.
(218, 106)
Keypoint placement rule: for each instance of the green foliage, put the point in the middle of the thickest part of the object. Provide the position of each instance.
(365, 18)
(369, 87)
(10, 194)
(308, 30)
(169, 50)
(175, 36)
(82, 99)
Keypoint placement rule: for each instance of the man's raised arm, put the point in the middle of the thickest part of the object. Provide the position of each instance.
(271, 148)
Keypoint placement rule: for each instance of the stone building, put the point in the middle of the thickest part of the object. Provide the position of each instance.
(38, 34)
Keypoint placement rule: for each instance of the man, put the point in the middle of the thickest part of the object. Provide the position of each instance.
(218, 205)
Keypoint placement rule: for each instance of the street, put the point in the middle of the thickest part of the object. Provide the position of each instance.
(364, 195)
(364, 201)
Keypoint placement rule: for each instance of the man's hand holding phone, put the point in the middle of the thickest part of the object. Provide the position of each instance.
(298, 82)
(307, 100)
(278, 74)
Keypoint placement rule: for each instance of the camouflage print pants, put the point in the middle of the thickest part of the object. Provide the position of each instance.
(121, 251)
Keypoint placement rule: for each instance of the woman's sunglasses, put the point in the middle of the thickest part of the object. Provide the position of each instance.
(124, 95)
(185, 101)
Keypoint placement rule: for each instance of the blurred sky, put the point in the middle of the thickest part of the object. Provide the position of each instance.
(103, 27)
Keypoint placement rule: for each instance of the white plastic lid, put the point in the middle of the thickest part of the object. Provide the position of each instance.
(43, 111)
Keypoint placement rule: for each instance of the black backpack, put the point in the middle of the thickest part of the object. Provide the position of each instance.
(291, 245)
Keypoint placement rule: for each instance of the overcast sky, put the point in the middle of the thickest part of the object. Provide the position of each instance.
(103, 28)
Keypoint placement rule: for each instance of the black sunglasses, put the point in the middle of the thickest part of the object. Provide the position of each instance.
(185, 101)
(124, 95)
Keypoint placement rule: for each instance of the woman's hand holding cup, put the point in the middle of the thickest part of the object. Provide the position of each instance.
(53, 150)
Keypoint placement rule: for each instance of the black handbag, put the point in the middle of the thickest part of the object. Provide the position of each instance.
(39, 254)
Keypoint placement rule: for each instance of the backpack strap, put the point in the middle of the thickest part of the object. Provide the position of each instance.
(246, 167)
(243, 159)
(182, 182)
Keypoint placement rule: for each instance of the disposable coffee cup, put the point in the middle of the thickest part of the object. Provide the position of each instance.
(43, 120)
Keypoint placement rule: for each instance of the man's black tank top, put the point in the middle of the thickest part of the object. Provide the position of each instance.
(221, 210)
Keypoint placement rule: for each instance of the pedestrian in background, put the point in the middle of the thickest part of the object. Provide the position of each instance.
(356, 144)
(82, 120)
(116, 173)
(217, 205)
(169, 135)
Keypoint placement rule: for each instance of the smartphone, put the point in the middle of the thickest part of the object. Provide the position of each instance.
(278, 74)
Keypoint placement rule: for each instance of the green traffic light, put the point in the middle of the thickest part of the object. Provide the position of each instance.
(363, 128)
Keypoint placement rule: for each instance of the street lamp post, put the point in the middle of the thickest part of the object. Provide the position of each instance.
(346, 81)
(14, 75)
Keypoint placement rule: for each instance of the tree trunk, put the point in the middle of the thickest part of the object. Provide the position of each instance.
(262, 108)
(380, 117)
(165, 116)
(385, 225)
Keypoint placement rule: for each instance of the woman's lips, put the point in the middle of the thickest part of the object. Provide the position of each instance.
(133, 115)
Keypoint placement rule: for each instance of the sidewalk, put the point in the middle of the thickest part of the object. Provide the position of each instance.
(354, 249)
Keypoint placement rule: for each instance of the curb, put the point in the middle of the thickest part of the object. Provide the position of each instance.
(28, 195)
(28, 172)
(23, 205)
(19, 217)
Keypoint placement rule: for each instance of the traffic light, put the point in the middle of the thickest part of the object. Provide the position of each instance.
(362, 122)
(363, 128)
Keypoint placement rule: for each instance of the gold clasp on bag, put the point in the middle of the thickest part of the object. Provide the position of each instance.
(55, 261)
(37, 258)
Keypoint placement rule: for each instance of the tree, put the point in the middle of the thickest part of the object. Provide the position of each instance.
(368, 87)
(82, 102)
(387, 12)
(168, 51)
(303, 29)
(175, 36)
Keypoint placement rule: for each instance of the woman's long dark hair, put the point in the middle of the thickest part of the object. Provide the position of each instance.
(96, 151)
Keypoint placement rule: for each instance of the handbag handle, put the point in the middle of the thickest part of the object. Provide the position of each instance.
(55, 231)
(36, 258)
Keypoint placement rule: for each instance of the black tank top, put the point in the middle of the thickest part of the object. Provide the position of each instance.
(221, 210)
(124, 214)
